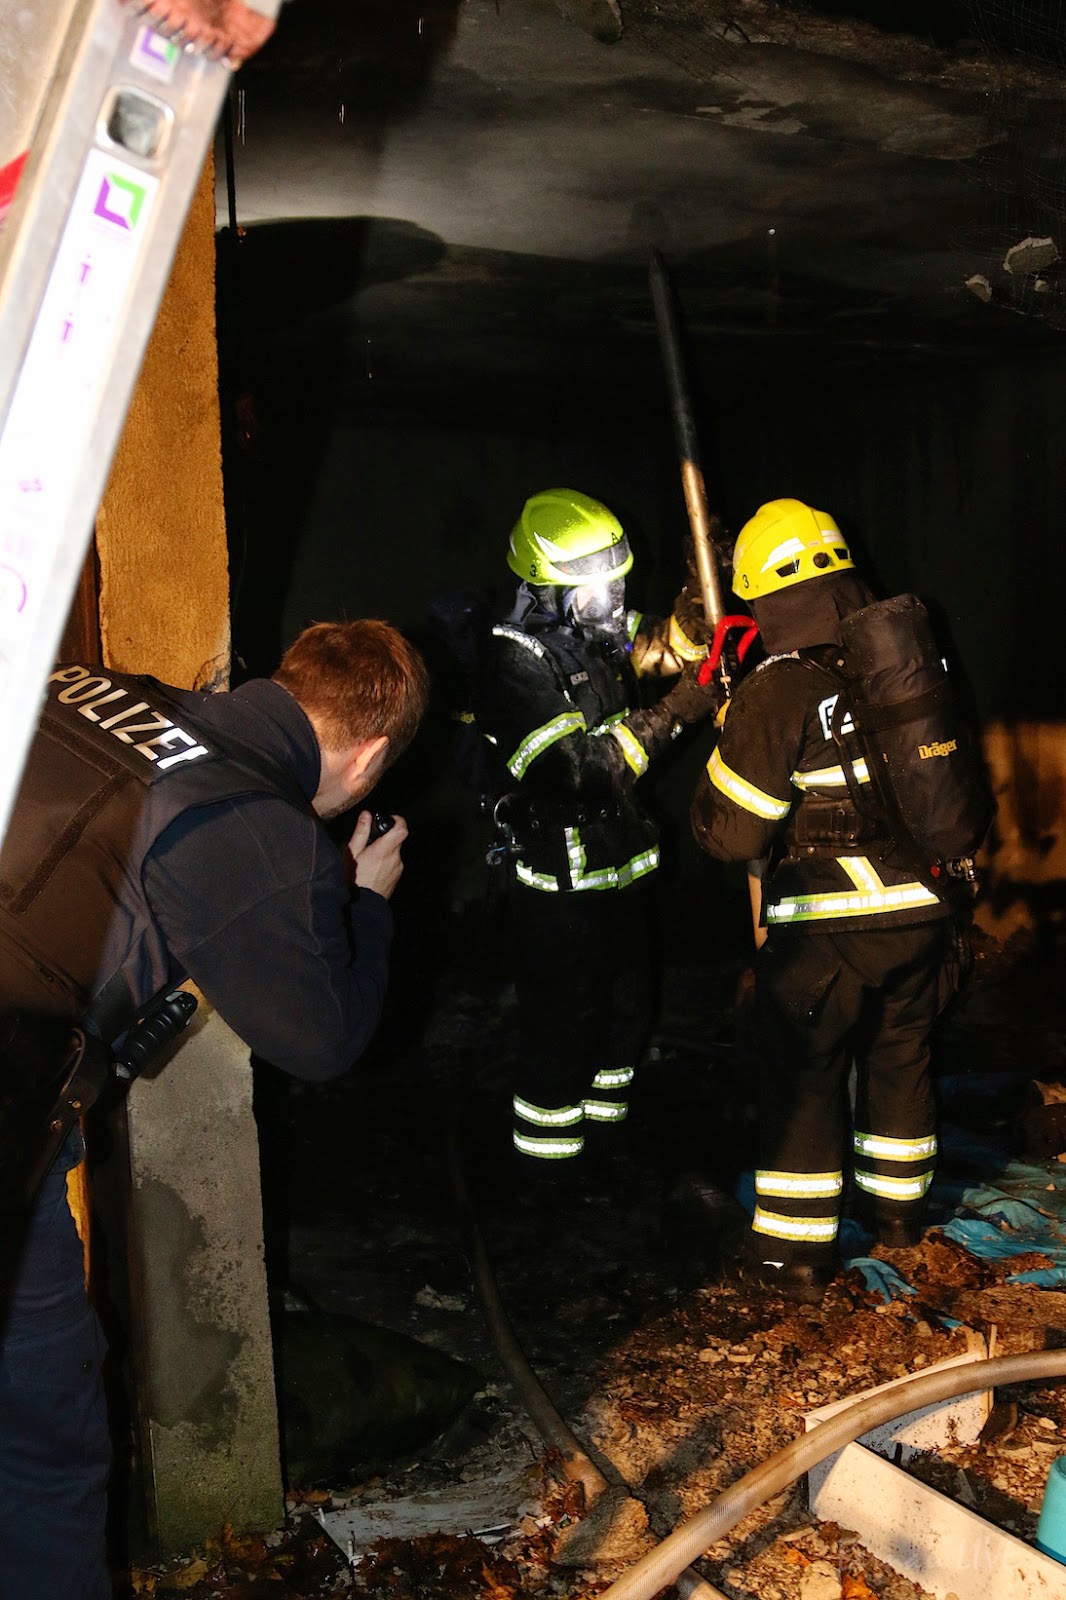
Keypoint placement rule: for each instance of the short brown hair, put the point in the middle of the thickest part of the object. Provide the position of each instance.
(357, 680)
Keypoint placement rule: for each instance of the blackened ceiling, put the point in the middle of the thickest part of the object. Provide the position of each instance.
(449, 193)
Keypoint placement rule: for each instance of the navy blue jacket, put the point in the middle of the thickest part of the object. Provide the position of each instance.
(164, 834)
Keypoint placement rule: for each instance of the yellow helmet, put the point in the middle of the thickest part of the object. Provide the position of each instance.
(786, 542)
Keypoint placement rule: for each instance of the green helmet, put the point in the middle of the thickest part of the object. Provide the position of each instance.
(564, 537)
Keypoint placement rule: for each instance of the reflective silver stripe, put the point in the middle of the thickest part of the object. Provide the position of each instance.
(872, 1144)
(862, 873)
(601, 878)
(871, 896)
(634, 752)
(575, 855)
(894, 1188)
(535, 880)
(545, 1116)
(804, 1185)
(613, 1078)
(745, 794)
(639, 867)
(680, 643)
(606, 1110)
(502, 631)
(535, 743)
(815, 1230)
(607, 724)
(549, 1149)
(830, 777)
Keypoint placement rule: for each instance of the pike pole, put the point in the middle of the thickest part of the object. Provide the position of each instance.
(695, 491)
(687, 448)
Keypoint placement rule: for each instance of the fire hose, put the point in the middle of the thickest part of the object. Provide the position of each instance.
(670, 1561)
(575, 1462)
(661, 1566)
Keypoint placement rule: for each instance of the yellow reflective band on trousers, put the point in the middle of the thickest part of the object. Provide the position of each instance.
(869, 898)
(800, 1185)
(599, 1109)
(830, 777)
(745, 794)
(613, 1078)
(599, 878)
(541, 739)
(549, 1148)
(807, 1230)
(634, 752)
(879, 1147)
(894, 1188)
(547, 1116)
(606, 1110)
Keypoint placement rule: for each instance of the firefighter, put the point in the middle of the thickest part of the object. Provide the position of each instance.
(555, 699)
(855, 938)
(159, 834)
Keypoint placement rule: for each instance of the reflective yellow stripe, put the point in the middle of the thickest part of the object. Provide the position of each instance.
(549, 1149)
(681, 644)
(639, 867)
(613, 1078)
(894, 1188)
(601, 878)
(545, 1116)
(535, 880)
(633, 622)
(535, 743)
(608, 723)
(813, 907)
(861, 872)
(634, 752)
(575, 855)
(872, 896)
(745, 794)
(830, 777)
(804, 1185)
(813, 1230)
(606, 1110)
(872, 1144)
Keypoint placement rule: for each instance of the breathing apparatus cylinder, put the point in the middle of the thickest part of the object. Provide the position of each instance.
(922, 754)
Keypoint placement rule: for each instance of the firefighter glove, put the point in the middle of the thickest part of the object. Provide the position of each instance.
(690, 633)
(690, 701)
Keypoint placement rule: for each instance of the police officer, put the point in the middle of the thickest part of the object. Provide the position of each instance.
(555, 697)
(161, 834)
(856, 939)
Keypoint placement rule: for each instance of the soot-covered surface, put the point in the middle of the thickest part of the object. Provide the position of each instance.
(680, 1377)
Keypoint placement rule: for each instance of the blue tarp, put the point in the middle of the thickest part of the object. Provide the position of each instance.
(986, 1202)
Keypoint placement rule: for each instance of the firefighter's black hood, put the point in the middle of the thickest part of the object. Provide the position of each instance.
(809, 614)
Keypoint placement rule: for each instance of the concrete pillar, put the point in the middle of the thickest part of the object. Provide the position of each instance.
(209, 1421)
(204, 1386)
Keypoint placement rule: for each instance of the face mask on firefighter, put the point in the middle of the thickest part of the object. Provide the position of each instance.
(599, 607)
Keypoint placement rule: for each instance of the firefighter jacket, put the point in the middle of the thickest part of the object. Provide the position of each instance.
(557, 707)
(161, 834)
(776, 789)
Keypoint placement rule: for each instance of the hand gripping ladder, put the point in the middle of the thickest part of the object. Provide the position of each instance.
(113, 122)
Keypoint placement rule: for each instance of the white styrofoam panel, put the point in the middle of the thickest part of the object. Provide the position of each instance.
(945, 1548)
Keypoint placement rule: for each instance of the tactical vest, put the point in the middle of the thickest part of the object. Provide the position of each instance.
(115, 761)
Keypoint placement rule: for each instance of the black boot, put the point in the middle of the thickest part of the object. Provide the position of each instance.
(802, 1282)
(900, 1230)
(800, 1277)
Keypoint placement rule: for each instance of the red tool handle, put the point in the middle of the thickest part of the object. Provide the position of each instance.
(724, 627)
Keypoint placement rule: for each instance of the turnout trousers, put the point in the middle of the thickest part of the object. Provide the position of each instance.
(582, 968)
(823, 1003)
(54, 1443)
